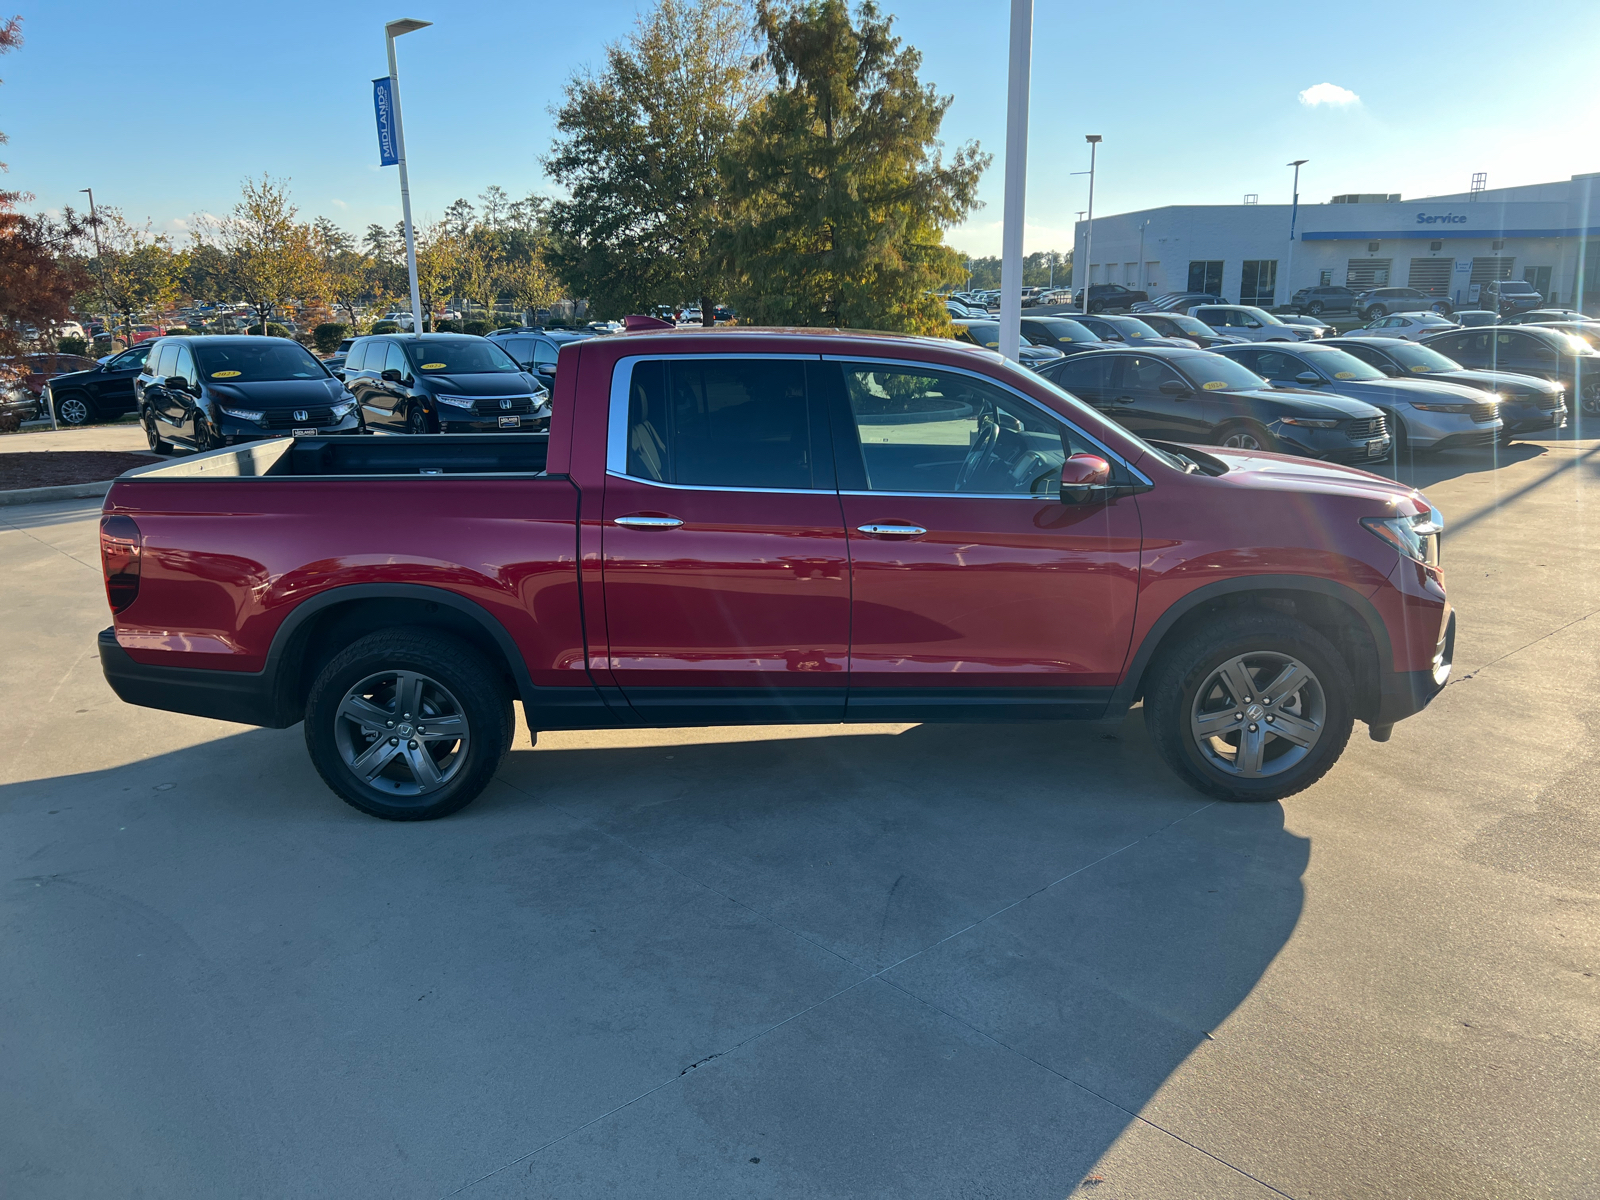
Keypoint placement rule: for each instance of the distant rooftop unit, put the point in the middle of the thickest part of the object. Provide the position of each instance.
(1368, 198)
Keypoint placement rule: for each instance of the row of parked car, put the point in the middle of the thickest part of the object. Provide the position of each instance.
(1353, 399)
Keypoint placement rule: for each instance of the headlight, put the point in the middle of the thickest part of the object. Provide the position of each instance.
(241, 414)
(453, 401)
(1416, 538)
(343, 410)
(1309, 422)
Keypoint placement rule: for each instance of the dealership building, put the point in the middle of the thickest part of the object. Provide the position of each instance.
(1447, 246)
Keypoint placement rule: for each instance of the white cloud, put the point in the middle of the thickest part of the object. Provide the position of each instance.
(340, 204)
(1328, 93)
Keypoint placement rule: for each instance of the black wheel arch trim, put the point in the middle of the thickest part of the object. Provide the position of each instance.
(269, 697)
(1123, 697)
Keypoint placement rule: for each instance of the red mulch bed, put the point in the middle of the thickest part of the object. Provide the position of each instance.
(53, 468)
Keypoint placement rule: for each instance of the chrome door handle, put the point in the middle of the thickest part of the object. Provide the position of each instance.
(1125, 399)
(876, 530)
(647, 522)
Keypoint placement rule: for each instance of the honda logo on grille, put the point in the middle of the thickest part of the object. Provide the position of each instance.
(301, 414)
(505, 403)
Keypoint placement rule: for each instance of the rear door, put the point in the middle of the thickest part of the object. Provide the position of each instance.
(975, 591)
(1088, 377)
(724, 561)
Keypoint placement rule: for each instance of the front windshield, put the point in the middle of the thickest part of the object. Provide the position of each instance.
(1420, 359)
(1193, 325)
(460, 356)
(1340, 365)
(1216, 373)
(1508, 286)
(980, 333)
(262, 360)
(1064, 330)
(1263, 316)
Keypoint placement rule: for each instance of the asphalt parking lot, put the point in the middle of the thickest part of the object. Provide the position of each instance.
(887, 961)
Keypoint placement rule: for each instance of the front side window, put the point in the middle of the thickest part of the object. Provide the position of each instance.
(545, 353)
(1336, 364)
(183, 367)
(1274, 364)
(394, 359)
(1217, 373)
(133, 360)
(164, 358)
(1144, 376)
(262, 360)
(742, 423)
(931, 431)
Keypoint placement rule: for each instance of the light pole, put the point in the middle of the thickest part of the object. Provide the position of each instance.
(1294, 211)
(1142, 228)
(391, 31)
(1088, 241)
(1016, 178)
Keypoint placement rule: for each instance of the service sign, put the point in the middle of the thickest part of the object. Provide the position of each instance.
(383, 105)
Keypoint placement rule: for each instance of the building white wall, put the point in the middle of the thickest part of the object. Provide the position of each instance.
(1542, 225)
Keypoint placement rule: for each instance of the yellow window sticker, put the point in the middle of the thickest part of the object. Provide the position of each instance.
(223, 374)
(1214, 385)
(1420, 370)
(433, 366)
(1344, 375)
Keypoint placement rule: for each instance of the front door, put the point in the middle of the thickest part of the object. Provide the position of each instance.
(113, 383)
(975, 590)
(726, 576)
(1149, 411)
(390, 393)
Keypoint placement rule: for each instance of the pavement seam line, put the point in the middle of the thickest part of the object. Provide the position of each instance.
(1520, 649)
(1132, 1116)
(819, 1003)
(57, 549)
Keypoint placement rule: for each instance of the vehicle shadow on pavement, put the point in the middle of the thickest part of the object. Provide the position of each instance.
(941, 960)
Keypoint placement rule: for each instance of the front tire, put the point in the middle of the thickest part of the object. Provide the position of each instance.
(1209, 700)
(417, 420)
(1314, 309)
(408, 725)
(73, 410)
(1375, 311)
(1245, 435)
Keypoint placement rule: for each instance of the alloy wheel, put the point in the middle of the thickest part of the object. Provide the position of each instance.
(72, 411)
(402, 732)
(1242, 439)
(1258, 714)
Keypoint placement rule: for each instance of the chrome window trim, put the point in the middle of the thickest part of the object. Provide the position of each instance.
(1026, 399)
(617, 424)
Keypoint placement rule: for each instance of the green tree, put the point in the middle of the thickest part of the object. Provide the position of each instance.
(271, 259)
(135, 272)
(842, 191)
(639, 148)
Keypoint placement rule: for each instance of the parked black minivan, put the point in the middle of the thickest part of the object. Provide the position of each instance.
(207, 392)
(443, 383)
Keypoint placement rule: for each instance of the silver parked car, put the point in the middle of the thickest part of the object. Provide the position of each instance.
(1248, 322)
(1411, 327)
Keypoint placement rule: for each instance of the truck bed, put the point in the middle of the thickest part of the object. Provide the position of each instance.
(360, 457)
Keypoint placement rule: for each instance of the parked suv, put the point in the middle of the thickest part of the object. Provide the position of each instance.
(1315, 301)
(1507, 296)
(1109, 297)
(1192, 396)
(207, 392)
(1380, 302)
(100, 393)
(1177, 302)
(443, 383)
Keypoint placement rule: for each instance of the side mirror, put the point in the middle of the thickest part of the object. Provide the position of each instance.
(1252, 324)
(1309, 378)
(1391, 370)
(1082, 475)
(175, 383)
(1173, 387)
(390, 376)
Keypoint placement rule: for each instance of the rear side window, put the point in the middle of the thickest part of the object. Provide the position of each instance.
(353, 360)
(743, 423)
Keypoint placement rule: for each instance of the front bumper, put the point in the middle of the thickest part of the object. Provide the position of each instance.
(1406, 693)
(535, 422)
(1530, 418)
(1446, 431)
(235, 429)
(1332, 445)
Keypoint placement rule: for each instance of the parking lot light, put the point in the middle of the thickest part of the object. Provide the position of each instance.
(392, 30)
(1294, 210)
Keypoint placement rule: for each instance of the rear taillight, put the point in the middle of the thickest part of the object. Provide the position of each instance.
(120, 551)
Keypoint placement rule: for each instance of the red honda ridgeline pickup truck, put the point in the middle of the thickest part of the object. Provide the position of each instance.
(771, 526)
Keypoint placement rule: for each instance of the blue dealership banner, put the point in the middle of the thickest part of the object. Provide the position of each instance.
(383, 105)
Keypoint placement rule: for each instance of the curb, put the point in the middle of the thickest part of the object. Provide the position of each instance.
(65, 491)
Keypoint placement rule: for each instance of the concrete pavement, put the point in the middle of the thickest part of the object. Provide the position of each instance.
(972, 961)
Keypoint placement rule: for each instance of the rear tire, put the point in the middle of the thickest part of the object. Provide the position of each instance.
(1190, 707)
(368, 717)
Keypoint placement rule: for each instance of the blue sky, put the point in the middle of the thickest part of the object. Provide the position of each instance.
(162, 109)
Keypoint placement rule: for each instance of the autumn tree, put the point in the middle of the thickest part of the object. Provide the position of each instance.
(271, 259)
(639, 149)
(135, 270)
(841, 189)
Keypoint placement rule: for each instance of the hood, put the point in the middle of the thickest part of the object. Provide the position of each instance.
(1283, 472)
(1308, 403)
(72, 377)
(1420, 388)
(1494, 381)
(280, 393)
(519, 384)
